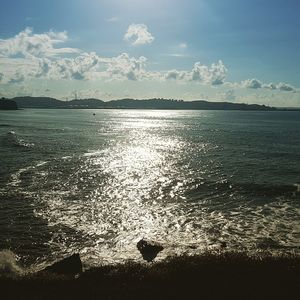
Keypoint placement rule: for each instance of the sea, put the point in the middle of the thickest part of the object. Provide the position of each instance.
(95, 182)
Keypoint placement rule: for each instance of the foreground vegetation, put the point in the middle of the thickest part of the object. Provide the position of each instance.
(209, 276)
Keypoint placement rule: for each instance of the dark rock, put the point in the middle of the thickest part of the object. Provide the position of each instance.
(149, 249)
(192, 247)
(68, 266)
(223, 245)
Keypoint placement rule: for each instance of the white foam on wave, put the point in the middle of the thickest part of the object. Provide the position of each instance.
(16, 177)
(42, 163)
(66, 157)
(13, 139)
(297, 186)
(107, 204)
(8, 264)
(92, 153)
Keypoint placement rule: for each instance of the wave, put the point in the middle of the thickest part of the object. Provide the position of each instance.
(16, 178)
(247, 188)
(271, 189)
(12, 139)
(268, 243)
(8, 264)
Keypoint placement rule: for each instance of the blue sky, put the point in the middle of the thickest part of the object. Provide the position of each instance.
(230, 50)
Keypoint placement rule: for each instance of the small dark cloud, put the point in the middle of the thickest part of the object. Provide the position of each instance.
(18, 78)
(217, 81)
(77, 76)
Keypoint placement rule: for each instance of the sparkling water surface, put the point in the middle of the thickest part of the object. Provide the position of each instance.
(71, 181)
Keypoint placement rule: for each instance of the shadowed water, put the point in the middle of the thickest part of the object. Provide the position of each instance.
(192, 180)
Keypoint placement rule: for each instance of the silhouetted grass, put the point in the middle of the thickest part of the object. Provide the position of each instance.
(209, 276)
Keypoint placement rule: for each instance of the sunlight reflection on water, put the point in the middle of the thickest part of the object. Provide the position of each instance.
(162, 175)
(132, 189)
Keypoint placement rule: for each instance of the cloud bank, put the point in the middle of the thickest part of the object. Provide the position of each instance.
(210, 75)
(30, 56)
(257, 84)
(27, 44)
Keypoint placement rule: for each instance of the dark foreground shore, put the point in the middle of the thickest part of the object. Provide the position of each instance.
(209, 276)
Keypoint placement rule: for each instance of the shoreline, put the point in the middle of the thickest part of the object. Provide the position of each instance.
(208, 276)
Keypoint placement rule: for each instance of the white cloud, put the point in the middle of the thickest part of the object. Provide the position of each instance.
(124, 66)
(176, 75)
(172, 74)
(252, 83)
(175, 55)
(270, 86)
(113, 19)
(182, 45)
(257, 84)
(27, 44)
(91, 66)
(29, 56)
(210, 75)
(138, 34)
(214, 75)
(11, 66)
(68, 68)
(285, 87)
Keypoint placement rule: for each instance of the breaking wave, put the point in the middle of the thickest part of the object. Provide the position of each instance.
(8, 264)
(12, 139)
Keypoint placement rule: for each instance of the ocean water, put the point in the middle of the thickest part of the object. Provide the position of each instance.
(71, 181)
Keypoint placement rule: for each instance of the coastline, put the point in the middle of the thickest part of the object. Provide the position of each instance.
(219, 275)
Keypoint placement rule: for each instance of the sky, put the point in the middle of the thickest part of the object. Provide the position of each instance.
(229, 50)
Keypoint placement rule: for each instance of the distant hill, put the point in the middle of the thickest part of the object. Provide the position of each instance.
(38, 102)
(157, 103)
(86, 103)
(6, 104)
